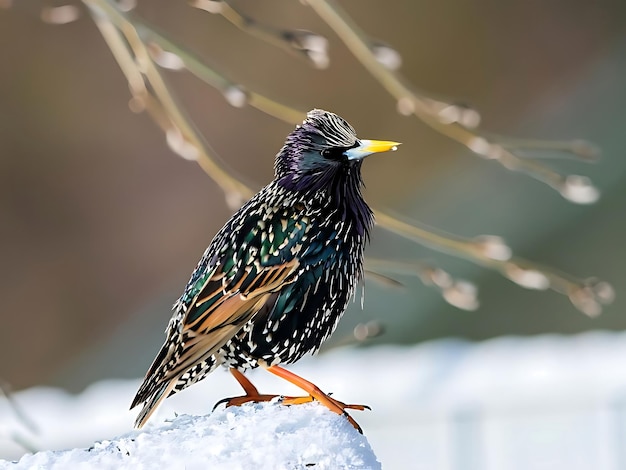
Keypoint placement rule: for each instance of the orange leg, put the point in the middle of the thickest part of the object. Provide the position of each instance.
(244, 382)
(314, 392)
(253, 395)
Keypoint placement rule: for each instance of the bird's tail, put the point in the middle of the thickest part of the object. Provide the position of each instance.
(156, 386)
(160, 393)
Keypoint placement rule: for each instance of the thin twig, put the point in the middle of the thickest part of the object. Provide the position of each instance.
(587, 295)
(457, 292)
(236, 191)
(411, 103)
(300, 43)
(5, 391)
(22, 417)
(212, 77)
(138, 65)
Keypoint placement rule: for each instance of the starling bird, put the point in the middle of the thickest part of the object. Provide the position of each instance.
(277, 277)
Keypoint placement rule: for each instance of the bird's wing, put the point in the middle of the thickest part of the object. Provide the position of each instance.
(230, 285)
(222, 307)
(260, 258)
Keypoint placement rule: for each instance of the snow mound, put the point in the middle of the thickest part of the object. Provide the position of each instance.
(259, 436)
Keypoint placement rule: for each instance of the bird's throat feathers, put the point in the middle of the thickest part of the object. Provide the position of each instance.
(341, 190)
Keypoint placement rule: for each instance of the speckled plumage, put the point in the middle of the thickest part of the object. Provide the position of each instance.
(277, 277)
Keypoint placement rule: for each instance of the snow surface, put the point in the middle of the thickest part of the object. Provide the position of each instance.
(260, 436)
(547, 402)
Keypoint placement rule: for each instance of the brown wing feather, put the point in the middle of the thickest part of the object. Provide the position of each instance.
(224, 311)
(205, 335)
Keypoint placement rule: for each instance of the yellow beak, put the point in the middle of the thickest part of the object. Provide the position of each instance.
(367, 147)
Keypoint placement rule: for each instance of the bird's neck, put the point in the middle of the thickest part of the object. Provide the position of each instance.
(345, 194)
(341, 192)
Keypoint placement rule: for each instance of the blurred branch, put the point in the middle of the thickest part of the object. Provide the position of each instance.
(587, 295)
(457, 292)
(303, 44)
(61, 14)
(577, 149)
(22, 417)
(182, 136)
(452, 121)
(236, 95)
(138, 48)
(361, 333)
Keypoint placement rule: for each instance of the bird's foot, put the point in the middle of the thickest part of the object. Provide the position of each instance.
(336, 405)
(238, 401)
(309, 399)
(283, 400)
(315, 394)
(333, 405)
(339, 407)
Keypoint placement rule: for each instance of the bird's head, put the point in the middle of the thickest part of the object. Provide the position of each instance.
(322, 148)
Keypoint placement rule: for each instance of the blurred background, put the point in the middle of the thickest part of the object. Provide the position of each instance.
(101, 224)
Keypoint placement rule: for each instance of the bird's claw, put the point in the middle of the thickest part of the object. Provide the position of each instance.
(288, 401)
(238, 401)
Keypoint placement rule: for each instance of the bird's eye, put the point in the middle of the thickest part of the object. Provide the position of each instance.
(337, 153)
(334, 153)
